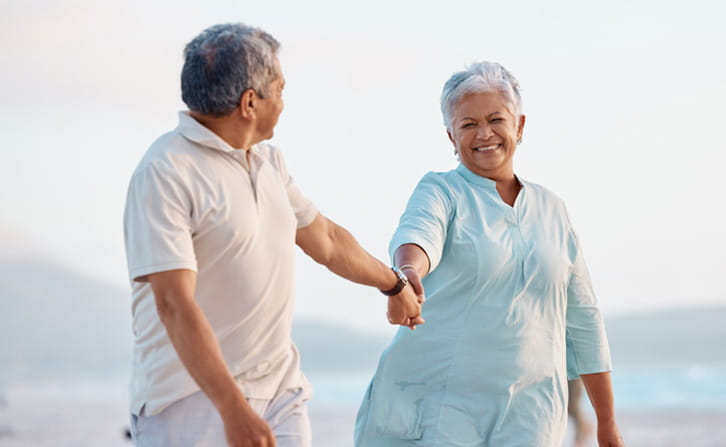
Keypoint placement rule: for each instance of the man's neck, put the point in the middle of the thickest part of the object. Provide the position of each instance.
(228, 128)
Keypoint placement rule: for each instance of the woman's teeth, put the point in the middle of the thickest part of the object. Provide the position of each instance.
(488, 148)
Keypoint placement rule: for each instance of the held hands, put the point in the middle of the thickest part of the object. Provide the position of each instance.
(405, 308)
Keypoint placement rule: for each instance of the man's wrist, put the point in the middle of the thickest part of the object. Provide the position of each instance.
(401, 281)
(231, 402)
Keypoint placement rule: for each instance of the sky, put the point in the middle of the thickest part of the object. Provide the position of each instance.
(624, 104)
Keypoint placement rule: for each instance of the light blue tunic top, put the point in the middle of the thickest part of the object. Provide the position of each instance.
(510, 312)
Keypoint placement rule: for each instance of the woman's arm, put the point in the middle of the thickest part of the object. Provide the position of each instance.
(412, 259)
(412, 256)
(600, 391)
(415, 264)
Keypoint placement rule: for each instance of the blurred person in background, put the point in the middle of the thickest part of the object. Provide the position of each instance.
(582, 426)
(211, 222)
(510, 311)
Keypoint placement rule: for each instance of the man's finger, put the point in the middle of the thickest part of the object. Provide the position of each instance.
(393, 320)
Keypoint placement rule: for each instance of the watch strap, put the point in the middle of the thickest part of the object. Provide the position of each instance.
(402, 281)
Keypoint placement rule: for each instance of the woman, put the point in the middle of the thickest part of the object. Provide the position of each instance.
(510, 310)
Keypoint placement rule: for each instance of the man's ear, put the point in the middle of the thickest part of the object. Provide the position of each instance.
(448, 133)
(248, 104)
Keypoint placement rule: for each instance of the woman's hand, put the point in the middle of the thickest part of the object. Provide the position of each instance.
(411, 259)
(608, 435)
(415, 281)
(404, 308)
(600, 391)
(400, 310)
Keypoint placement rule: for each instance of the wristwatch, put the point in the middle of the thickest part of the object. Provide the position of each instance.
(402, 281)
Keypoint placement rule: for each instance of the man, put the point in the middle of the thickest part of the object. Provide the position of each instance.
(211, 221)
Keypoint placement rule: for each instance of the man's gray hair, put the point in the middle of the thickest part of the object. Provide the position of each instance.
(480, 77)
(222, 62)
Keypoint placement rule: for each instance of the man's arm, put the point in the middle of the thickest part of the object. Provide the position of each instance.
(600, 391)
(334, 247)
(199, 351)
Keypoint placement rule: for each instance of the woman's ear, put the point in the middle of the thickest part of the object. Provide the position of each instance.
(520, 130)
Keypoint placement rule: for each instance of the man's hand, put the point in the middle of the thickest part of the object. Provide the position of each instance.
(334, 247)
(198, 348)
(405, 308)
(244, 428)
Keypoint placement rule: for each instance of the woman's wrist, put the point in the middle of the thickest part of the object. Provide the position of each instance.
(605, 419)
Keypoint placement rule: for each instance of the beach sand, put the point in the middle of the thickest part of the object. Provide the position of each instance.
(93, 423)
(642, 428)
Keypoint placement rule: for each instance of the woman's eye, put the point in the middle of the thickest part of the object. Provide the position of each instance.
(468, 125)
(496, 120)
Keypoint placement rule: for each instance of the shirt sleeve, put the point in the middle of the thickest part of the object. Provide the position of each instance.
(157, 224)
(426, 219)
(586, 345)
(304, 209)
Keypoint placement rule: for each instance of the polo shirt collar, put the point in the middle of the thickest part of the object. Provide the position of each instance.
(478, 179)
(194, 131)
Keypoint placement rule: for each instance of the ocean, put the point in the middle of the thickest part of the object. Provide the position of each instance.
(674, 406)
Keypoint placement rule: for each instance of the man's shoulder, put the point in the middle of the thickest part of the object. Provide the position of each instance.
(168, 153)
(268, 151)
(272, 155)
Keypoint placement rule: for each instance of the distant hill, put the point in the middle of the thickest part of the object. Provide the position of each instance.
(672, 336)
(55, 321)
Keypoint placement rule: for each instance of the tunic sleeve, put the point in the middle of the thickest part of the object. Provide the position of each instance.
(157, 225)
(587, 346)
(426, 218)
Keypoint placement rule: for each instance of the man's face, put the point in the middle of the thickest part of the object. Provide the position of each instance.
(270, 107)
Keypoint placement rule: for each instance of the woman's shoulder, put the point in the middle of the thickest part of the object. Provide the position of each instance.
(542, 193)
(443, 179)
(441, 183)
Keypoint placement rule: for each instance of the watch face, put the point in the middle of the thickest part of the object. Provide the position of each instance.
(403, 277)
(400, 274)
(402, 281)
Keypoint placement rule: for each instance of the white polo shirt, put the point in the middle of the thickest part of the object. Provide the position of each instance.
(196, 203)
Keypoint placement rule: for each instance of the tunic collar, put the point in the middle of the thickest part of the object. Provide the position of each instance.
(479, 180)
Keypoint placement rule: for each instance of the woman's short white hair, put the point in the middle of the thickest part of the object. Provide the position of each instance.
(480, 77)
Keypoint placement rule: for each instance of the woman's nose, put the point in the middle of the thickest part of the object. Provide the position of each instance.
(484, 131)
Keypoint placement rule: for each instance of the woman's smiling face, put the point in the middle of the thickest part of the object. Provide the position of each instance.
(485, 134)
